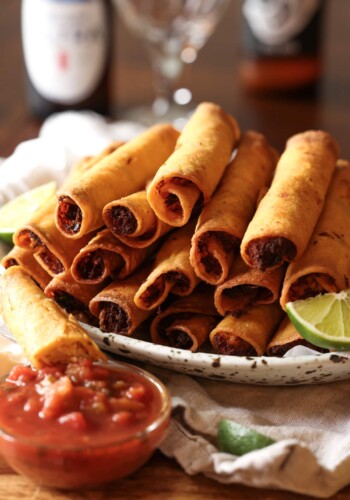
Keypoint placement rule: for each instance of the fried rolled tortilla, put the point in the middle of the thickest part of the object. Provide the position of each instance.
(171, 271)
(133, 221)
(86, 163)
(224, 220)
(246, 286)
(248, 334)
(106, 256)
(25, 259)
(325, 264)
(187, 322)
(46, 333)
(287, 215)
(115, 307)
(191, 174)
(125, 171)
(51, 249)
(72, 296)
(285, 338)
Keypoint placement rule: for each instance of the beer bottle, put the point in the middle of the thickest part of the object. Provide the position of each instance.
(282, 44)
(67, 54)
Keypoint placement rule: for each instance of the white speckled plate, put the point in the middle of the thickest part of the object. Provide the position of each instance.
(310, 369)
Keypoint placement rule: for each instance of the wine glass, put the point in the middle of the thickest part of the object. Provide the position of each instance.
(173, 32)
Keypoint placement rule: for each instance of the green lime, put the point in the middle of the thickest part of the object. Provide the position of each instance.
(323, 320)
(237, 439)
(16, 212)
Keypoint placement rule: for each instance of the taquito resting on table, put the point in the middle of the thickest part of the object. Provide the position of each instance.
(325, 264)
(285, 338)
(115, 308)
(190, 175)
(46, 333)
(72, 296)
(246, 286)
(287, 215)
(133, 220)
(171, 270)
(50, 247)
(224, 220)
(125, 171)
(106, 256)
(25, 259)
(248, 334)
(187, 322)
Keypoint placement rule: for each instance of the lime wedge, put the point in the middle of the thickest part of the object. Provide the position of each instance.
(16, 212)
(323, 320)
(238, 440)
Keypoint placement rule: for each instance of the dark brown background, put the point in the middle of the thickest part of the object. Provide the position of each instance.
(213, 77)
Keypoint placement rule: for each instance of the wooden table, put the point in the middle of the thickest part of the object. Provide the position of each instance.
(213, 77)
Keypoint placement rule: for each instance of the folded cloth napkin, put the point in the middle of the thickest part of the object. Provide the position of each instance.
(310, 423)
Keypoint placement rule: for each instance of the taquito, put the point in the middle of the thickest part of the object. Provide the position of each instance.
(224, 220)
(246, 286)
(86, 163)
(50, 247)
(72, 296)
(25, 259)
(190, 175)
(106, 256)
(248, 334)
(187, 322)
(115, 307)
(287, 215)
(125, 171)
(171, 271)
(133, 221)
(285, 338)
(325, 264)
(46, 333)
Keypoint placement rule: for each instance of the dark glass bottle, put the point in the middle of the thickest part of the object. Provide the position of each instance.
(282, 42)
(67, 52)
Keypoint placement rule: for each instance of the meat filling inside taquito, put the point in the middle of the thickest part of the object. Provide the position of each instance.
(190, 175)
(133, 221)
(285, 338)
(72, 296)
(248, 334)
(187, 322)
(171, 271)
(106, 256)
(224, 220)
(115, 308)
(246, 286)
(24, 258)
(287, 215)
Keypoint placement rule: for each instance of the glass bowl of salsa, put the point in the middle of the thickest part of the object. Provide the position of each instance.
(83, 424)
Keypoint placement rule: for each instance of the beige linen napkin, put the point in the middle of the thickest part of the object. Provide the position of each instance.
(311, 424)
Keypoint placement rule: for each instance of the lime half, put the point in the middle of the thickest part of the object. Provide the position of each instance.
(323, 320)
(238, 440)
(16, 212)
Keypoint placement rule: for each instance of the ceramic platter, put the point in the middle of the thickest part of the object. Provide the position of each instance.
(309, 369)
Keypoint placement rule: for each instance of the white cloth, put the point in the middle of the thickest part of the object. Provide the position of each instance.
(310, 423)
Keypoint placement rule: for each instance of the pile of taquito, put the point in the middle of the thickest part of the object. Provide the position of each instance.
(200, 237)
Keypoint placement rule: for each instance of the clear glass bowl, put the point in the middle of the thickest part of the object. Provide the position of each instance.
(75, 467)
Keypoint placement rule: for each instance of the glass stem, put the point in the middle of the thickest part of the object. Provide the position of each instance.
(167, 70)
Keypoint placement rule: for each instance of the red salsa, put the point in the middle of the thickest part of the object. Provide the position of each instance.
(94, 421)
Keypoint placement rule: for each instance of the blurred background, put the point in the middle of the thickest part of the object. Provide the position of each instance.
(214, 76)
